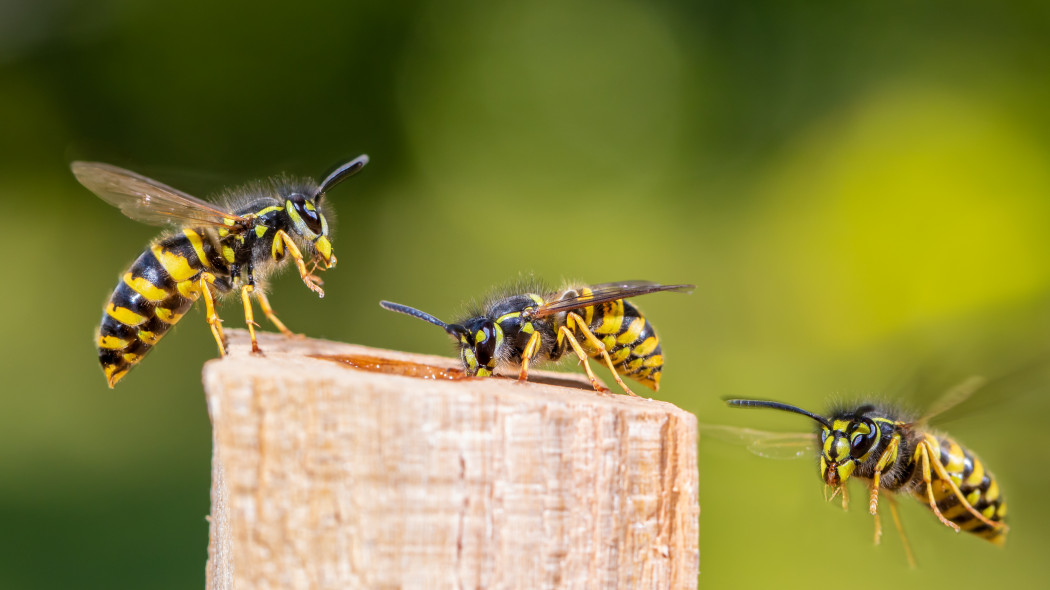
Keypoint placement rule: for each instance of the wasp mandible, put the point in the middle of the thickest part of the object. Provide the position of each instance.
(517, 329)
(216, 250)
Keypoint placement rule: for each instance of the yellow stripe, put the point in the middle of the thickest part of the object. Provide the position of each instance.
(977, 475)
(131, 358)
(612, 318)
(632, 332)
(1002, 511)
(971, 524)
(655, 361)
(145, 288)
(124, 315)
(634, 365)
(167, 316)
(189, 289)
(956, 461)
(260, 230)
(178, 267)
(276, 249)
(112, 342)
(992, 494)
(198, 246)
(114, 373)
(148, 337)
(647, 346)
(620, 355)
(227, 253)
(269, 209)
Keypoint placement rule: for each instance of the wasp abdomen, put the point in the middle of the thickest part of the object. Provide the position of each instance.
(629, 338)
(978, 486)
(152, 296)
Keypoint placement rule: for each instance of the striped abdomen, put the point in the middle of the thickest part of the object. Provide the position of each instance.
(152, 296)
(628, 336)
(977, 484)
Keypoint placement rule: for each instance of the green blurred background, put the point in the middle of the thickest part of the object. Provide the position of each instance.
(860, 193)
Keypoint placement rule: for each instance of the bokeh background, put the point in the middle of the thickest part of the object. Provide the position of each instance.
(860, 192)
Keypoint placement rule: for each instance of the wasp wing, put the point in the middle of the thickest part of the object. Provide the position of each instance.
(606, 292)
(148, 201)
(771, 445)
(953, 397)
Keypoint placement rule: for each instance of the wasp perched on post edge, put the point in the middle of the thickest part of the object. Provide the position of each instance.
(894, 453)
(518, 329)
(218, 248)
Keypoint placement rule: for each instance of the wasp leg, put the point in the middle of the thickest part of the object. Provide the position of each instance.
(249, 315)
(264, 303)
(845, 497)
(900, 530)
(531, 348)
(206, 281)
(943, 474)
(927, 479)
(293, 251)
(884, 460)
(564, 330)
(598, 344)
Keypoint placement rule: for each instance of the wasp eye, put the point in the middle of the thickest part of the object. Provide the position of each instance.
(862, 439)
(307, 212)
(485, 343)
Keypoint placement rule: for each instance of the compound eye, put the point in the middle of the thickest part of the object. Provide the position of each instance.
(485, 343)
(863, 439)
(307, 212)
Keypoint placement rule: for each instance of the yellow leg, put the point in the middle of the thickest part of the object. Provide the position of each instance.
(943, 474)
(213, 318)
(924, 456)
(878, 527)
(599, 345)
(583, 358)
(312, 282)
(900, 530)
(249, 315)
(884, 460)
(845, 496)
(531, 348)
(264, 303)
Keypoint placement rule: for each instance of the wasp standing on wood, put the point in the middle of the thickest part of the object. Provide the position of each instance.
(895, 454)
(217, 250)
(518, 329)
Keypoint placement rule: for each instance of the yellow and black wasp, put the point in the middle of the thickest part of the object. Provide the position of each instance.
(514, 330)
(894, 453)
(216, 250)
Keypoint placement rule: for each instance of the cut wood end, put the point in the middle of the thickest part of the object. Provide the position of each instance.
(329, 476)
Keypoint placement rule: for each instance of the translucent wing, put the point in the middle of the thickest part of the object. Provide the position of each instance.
(953, 397)
(771, 445)
(606, 292)
(149, 201)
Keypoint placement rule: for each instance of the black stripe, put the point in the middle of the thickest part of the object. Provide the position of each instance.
(128, 298)
(111, 327)
(181, 245)
(148, 267)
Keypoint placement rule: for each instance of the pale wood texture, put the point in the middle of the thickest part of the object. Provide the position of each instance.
(326, 476)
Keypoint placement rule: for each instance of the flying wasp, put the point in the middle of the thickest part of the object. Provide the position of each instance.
(216, 250)
(538, 325)
(894, 453)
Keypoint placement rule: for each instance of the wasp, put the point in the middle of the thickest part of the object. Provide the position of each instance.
(894, 453)
(216, 250)
(538, 325)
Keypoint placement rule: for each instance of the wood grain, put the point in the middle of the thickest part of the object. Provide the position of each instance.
(326, 476)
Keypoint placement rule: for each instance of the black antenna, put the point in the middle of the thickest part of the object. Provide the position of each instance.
(453, 329)
(757, 403)
(341, 173)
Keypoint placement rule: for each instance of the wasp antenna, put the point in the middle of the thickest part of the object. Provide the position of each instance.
(341, 173)
(756, 403)
(453, 329)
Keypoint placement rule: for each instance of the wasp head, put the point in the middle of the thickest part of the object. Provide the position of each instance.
(480, 339)
(846, 442)
(304, 210)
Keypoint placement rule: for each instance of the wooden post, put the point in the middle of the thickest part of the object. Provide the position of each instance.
(331, 476)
